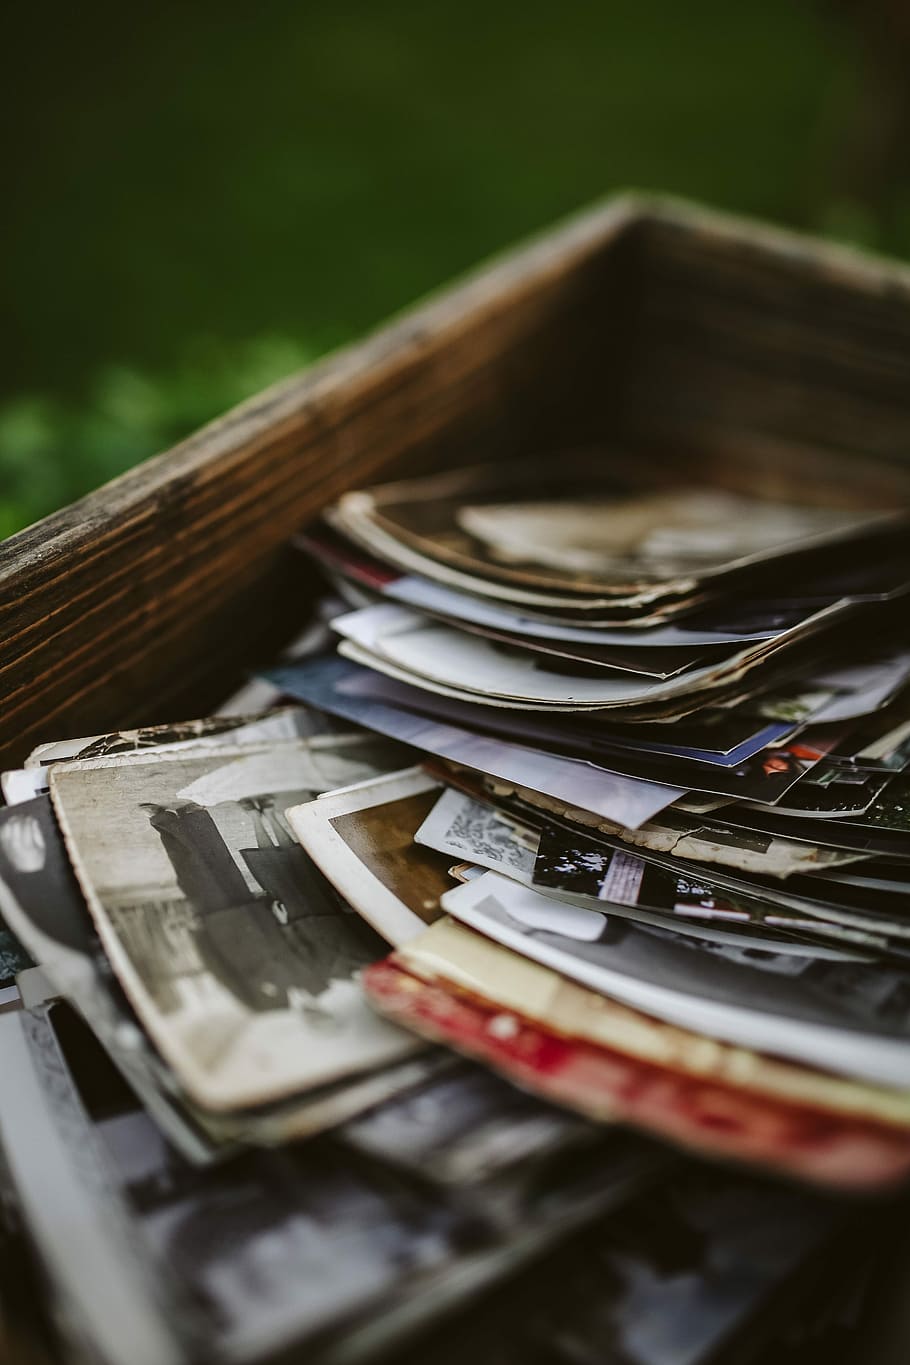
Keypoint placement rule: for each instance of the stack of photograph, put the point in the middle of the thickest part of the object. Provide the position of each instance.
(517, 971)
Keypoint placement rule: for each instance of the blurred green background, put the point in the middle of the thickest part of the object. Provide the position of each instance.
(201, 198)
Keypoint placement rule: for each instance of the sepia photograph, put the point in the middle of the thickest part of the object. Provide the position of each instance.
(364, 842)
(238, 957)
(652, 531)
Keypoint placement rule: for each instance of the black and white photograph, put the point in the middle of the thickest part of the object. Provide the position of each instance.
(576, 868)
(40, 898)
(42, 901)
(726, 1249)
(612, 875)
(268, 1250)
(677, 833)
(264, 1251)
(467, 1128)
(479, 833)
(238, 957)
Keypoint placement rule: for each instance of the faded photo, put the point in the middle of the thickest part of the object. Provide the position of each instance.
(249, 1256)
(211, 732)
(238, 956)
(586, 525)
(479, 833)
(363, 841)
(649, 536)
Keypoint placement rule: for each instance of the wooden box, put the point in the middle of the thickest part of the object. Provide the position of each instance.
(644, 323)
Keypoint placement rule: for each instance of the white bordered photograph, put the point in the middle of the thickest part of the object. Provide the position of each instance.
(362, 840)
(841, 1016)
(239, 960)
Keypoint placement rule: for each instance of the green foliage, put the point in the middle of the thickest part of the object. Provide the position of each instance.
(52, 450)
(193, 177)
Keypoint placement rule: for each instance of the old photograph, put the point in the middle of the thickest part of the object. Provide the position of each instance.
(577, 869)
(611, 1087)
(444, 655)
(238, 957)
(452, 952)
(464, 1128)
(854, 1018)
(218, 732)
(706, 627)
(479, 833)
(612, 538)
(586, 869)
(363, 842)
(677, 834)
